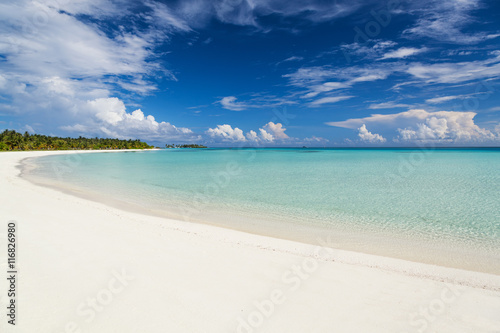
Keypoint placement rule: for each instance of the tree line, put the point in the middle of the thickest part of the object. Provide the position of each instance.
(12, 140)
(185, 146)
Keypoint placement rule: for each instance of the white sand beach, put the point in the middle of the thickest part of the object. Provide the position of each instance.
(87, 267)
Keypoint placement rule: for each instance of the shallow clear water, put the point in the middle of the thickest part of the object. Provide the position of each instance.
(447, 200)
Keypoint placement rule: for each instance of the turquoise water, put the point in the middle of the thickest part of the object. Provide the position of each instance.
(384, 201)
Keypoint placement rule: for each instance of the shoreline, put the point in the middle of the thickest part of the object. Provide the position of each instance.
(367, 239)
(70, 247)
(133, 208)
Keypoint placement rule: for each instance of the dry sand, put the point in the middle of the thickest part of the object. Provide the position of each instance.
(87, 267)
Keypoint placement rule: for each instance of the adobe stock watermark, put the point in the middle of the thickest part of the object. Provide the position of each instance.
(89, 309)
(381, 19)
(35, 20)
(219, 181)
(69, 163)
(410, 162)
(482, 91)
(293, 278)
(282, 116)
(427, 314)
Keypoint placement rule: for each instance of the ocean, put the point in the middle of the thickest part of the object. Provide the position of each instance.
(438, 206)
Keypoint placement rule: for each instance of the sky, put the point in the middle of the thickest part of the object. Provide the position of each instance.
(310, 73)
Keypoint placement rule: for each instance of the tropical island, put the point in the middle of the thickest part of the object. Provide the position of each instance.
(12, 140)
(185, 146)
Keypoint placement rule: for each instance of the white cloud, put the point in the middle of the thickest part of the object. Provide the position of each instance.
(439, 126)
(29, 129)
(316, 140)
(438, 100)
(256, 101)
(276, 130)
(109, 110)
(369, 50)
(312, 78)
(294, 58)
(226, 133)
(262, 137)
(265, 135)
(432, 130)
(387, 105)
(252, 136)
(389, 119)
(3, 82)
(456, 127)
(307, 76)
(270, 132)
(61, 45)
(320, 79)
(367, 136)
(488, 89)
(325, 87)
(78, 128)
(164, 16)
(369, 77)
(247, 13)
(446, 20)
(63, 60)
(230, 103)
(456, 72)
(327, 100)
(403, 52)
(108, 116)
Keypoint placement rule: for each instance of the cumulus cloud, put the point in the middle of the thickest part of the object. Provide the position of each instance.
(265, 135)
(367, 136)
(109, 117)
(109, 110)
(226, 133)
(252, 136)
(453, 128)
(433, 129)
(276, 130)
(421, 125)
(270, 132)
(61, 57)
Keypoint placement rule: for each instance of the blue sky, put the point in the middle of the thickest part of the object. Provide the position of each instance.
(254, 72)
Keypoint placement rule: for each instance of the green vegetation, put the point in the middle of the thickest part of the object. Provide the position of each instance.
(185, 146)
(11, 140)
